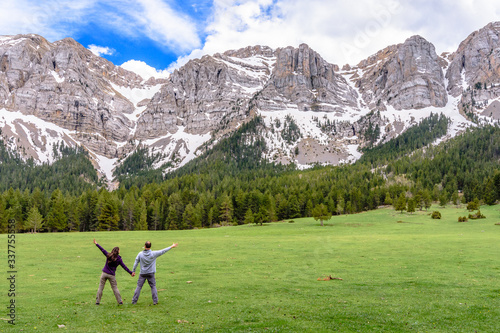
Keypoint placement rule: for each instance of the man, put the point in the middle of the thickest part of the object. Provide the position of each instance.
(147, 258)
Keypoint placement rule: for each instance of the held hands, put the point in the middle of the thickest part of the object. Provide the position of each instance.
(174, 245)
(133, 274)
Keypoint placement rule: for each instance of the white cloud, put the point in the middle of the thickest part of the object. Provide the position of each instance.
(446, 23)
(168, 27)
(341, 31)
(100, 50)
(57, 19)
(52, 19)
(152, 19)
(144, 70)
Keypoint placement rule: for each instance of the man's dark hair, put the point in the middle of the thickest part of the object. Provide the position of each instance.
(148, 245)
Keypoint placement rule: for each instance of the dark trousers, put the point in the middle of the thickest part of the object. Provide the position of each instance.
(152, 283)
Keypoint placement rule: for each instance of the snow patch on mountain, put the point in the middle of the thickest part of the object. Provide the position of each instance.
(179, 147)
(308, 123)
(33, 135)
(56, 76)
(37, 137)
(106, 165)
(408, 118)
(136, 95)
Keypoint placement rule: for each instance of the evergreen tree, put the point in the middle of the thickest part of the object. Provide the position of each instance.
(128, 211)
(155, 214)
(455, 198)
(73, 219)
(3, 216)
(226, 211)
(262, 215)
(88, 210)
(38, 200)
(411, 205)
(340, 205)
(14, 209)
(281, 207)
(309, 208)
(496, 183)
(490, 195)
(109, 215)
(419, 201)
(175, 212)
(426, 197)
(272, 209)
(293, 207)
(202, 211)
(57, 219)
(210, 217)
(198, 215)
(330, 205)
(400, 203)
(15, 212)
(191, 219)
(249, 218)
(321, 213)
(348, 207)
(443, 198)
(239, 205)
(35, 219)
(141, 215)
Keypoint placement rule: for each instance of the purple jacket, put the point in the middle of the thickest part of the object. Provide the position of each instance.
(110, 266)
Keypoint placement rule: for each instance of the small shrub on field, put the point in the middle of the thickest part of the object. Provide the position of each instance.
(436, 215)
(473, 205)
(476, 216)
(291, 221)
(463, 219)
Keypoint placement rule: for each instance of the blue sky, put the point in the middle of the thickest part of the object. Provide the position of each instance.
(167, 33)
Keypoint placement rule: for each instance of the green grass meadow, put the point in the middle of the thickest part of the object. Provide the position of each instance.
(400, 273)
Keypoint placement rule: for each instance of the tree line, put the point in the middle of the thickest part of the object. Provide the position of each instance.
(71, 172)
(227, 187)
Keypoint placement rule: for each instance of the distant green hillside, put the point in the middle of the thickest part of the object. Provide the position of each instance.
(231, 184)
(72, 172)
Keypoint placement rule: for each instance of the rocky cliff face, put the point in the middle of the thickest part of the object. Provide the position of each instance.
(474, 70)
(405, 76)
(476, 60)
(301, 77)
(206, 93)
(65, 84)
(313, 112)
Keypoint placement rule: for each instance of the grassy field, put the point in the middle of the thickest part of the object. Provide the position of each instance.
(399, 272)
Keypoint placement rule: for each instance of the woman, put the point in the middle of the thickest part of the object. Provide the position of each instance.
(108, 272)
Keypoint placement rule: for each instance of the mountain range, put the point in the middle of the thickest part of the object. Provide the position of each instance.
(312, 111)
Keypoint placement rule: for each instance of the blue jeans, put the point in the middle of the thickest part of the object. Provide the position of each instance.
(152, 283)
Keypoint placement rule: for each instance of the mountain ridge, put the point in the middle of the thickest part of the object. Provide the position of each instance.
(52, 92)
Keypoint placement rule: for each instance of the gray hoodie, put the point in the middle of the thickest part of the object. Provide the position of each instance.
(147, 258)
